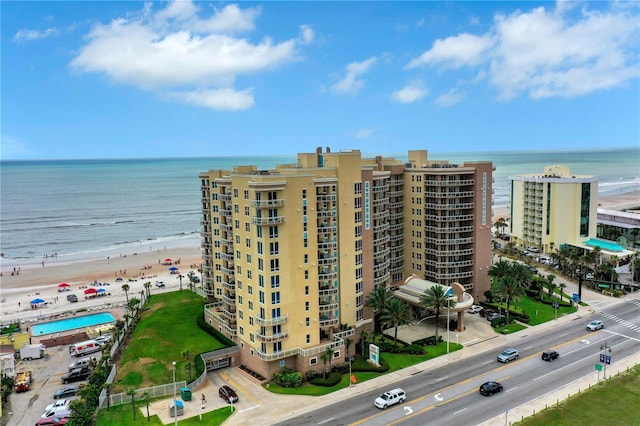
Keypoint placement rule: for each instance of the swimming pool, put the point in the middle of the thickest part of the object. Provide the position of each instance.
(71, 323)
(605, 245)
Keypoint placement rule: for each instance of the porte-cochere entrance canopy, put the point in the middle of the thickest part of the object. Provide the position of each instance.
(414, 287)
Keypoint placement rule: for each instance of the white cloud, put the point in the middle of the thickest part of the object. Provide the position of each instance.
(412, 92)
(218, 99)
(452, 97)
(365, 133)
(350, 84)
(454, 52)
(306, 34)
(175, 49)
(540, 53)
(28, 35)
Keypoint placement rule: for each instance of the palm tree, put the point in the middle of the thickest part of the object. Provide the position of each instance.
(521, 273)
(511, 289)
(378, 300)
(132, 393)
(326, 357)
(107, 387)
(500, 225)
(147, 286)
(146, 400)
(125, 288)
(499, 269)
(363, 341)
(634, 234)
(394, 314)
(562, 286)
(180, 277)
(347, 344)
(435, 298)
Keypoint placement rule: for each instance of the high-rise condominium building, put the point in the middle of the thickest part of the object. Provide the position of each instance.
(553, 208)
(290, 254)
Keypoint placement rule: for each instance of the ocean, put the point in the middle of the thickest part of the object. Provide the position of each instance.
(83, 209)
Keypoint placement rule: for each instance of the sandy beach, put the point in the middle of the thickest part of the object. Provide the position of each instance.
(135, 268)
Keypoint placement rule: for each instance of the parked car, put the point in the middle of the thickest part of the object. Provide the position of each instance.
(159, 283)
(104, 339)
(589, 276)
(474, 309)
(485, 311)
(493, 315)
(507, 355)
(52, 421)
(84, 362)
(489, 388)
(389, 398)
(56, 404)
(58, 412)
(76, 375)
(66, 392)
(72, 298)
(595, 325)
(228, 394)
(550, 355)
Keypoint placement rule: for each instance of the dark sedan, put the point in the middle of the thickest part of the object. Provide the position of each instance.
(489, 388)
(66, 392)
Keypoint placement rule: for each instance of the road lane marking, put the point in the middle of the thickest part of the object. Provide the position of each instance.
(621, 335)
(325, 421)
(442, 378)
(510, 389)
(459, 411)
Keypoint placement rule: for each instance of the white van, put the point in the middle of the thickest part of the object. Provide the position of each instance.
(82, 348)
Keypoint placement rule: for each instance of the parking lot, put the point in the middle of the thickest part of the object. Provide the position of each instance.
(27, 407)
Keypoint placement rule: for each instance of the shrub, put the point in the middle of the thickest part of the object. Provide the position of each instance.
(431, 340)
(362, 365)
(312, 374)
(331, 380)
(288, 378)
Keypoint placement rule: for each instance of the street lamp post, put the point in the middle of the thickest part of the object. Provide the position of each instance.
(448, 325)
(605, 348)
(175, 405)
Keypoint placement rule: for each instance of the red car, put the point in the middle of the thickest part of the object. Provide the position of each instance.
(52, 421)
(228, 394)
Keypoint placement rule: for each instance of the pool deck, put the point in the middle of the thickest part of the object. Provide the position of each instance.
(73, 335)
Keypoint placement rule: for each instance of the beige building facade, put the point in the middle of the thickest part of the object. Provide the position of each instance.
(291, 253)
(553, 208)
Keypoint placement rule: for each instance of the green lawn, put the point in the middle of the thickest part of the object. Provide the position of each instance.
(122, 415)
(166, 330)
(396, 362)
(541, 312)
(611, 403)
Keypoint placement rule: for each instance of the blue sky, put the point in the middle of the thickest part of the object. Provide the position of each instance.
(132, 79)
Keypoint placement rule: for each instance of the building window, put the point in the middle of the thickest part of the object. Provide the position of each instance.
(306, 290)
(359, 301)
(247, 242)
(241, 314)
(246, 210)
(275, 265)
(274, 248)
(306, 274)
(308, 338)
(250, 320)
(241, 330)
(239, 300)
(260, 248)
(306, 305)
(275, 298)
(236, 208)
(248, 258)
(252, 339)
(313, 361)
(307, 321)
(250, 289)
(251, 305)
(261, 280)
(359, 314)
(235, 192)
(246, 194)
(273, 232)
(275, 281)
(261, 296)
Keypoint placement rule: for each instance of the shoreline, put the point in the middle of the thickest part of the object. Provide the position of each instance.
(137, 265)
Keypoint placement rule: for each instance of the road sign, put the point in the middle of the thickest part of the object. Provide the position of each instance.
(556, 305)
(608, 359)
(598, 367)
(576, 297)
(601, 357)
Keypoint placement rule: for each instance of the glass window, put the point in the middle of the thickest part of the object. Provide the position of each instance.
(275, 298)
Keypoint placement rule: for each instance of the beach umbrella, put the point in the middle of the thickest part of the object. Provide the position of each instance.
(167, 260)
(64, 285)
(90, 291)
(36, 301)
(173, 268)
(101, 290)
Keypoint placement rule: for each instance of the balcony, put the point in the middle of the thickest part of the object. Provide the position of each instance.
(328, 307)
(272, 337)
(226, 270)
(328, 261)
(327, 213)
(264, 204)
(229, 315)
(271, 321)
(229, 301)
(436, 218)
(430, 194)
(276, 220)
(331, 291)
(230, 285)
(328, 322)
